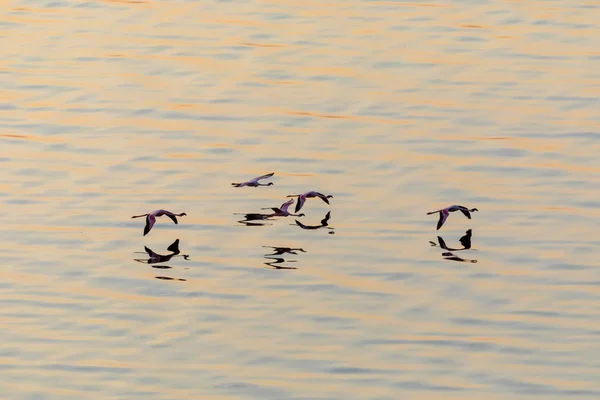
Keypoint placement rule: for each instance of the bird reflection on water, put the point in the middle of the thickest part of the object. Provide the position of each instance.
(168, 278)
(465, 241)
(324, 224)
(258, 219)
(275, 261)
(282, 250)
(155, 258)
(278, 260)
(254, 219)
(281, 211)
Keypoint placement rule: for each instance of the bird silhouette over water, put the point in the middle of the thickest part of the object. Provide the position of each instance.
(308, 195)
(254, 182)
(444, 212)
(282, 211)
(151, 218)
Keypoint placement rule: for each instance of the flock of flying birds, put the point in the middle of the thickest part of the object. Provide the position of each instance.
(282, 211)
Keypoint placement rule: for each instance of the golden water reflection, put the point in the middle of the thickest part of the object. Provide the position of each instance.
(396, 108)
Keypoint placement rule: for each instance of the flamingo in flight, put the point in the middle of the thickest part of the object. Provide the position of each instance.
(282, 211)
(151, 218)
(254, 182)
(444, 212)
(302, 198)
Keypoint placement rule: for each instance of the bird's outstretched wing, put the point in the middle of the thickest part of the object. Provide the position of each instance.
(284, 206)
(300, 203)
(322, 197)
(442, 219)
(150, 220)
(258, 178)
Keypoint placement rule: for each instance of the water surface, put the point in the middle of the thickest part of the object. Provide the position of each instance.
(114, 108)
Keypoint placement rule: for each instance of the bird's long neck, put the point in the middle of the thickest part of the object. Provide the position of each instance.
(138, 216)
(170, 213)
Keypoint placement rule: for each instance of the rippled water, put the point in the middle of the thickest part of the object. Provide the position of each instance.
(110, 109)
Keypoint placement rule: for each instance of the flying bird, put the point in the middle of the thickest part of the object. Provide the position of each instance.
(151, 218)
(254, 182)
(444, 212)
(302, 198)
(282, 211)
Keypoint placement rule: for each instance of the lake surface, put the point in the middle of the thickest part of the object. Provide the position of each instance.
(110, 109)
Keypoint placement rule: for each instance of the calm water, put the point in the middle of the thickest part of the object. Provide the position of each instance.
(114, 108)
